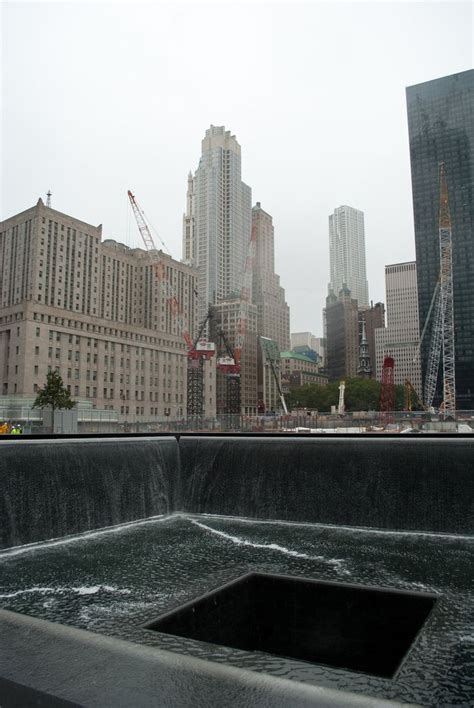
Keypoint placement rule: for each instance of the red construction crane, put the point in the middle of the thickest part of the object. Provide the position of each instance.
(160, 272)
(198, 350)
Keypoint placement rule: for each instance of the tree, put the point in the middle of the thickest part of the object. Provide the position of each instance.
(54, 394)
(360, 395)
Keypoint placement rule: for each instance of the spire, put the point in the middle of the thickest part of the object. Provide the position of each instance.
(48, 198)
(364, 370)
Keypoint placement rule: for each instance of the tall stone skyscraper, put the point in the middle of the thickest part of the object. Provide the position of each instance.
(273, 313)
(441, 129)
(347, 253)
(401, 338)
(217, 225)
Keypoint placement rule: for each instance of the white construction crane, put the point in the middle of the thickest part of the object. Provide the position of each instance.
(442, 334)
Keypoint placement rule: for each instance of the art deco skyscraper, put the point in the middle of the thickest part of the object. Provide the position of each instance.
(347, 253)
(219, 217)
(441, 129)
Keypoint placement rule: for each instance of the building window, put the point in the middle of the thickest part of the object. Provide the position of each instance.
(37, 331)
(37, 350)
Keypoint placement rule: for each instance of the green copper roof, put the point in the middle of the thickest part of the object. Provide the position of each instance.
(294, 355)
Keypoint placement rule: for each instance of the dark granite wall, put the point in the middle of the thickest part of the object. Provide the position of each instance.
(400, 483)
(53, 488)
(50, 488)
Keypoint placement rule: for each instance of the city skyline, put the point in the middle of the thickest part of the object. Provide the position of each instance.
(305, 149)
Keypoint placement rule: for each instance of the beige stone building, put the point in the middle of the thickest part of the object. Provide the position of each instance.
(96, 312)
(273, 313)
(298, 370)
(401, 338)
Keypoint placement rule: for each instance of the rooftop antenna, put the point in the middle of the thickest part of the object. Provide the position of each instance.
(48, 198)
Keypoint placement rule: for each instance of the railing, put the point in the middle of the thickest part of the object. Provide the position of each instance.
(103, 421)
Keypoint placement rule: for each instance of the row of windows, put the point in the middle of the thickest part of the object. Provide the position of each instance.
(100, 329)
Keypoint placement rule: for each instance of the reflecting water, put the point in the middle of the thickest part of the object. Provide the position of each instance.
(115, 581)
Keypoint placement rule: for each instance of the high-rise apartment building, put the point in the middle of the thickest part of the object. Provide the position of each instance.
(96, 312)
(347, 253)
(273, 313)
(400, 339)
(441, 129)
(217, 223)
(342, 324)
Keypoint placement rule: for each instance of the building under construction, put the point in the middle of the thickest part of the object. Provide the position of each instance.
(225, 320)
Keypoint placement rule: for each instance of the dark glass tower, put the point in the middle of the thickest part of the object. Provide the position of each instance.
(441, 129)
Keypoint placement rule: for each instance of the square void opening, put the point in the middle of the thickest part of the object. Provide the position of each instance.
(351, 627)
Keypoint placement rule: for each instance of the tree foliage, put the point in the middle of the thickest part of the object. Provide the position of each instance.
(359, 395)
(54, 394)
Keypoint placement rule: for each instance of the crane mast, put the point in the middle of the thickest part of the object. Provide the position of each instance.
(442, 336)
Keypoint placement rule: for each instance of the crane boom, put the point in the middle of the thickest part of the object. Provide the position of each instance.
(159, 268)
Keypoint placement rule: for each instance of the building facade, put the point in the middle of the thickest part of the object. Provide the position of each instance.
(400, 339)
(268, 376)
(273, 313)
(96, 312)
(371, 318)
(298, 370)
(226, 318)
(217, 223)
(342, 324)
(307, 339)
(347, 253)
(441, 129)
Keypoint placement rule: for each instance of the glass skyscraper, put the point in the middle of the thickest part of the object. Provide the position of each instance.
(441, 129)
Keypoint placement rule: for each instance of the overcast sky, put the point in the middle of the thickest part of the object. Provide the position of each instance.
(98, 98)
